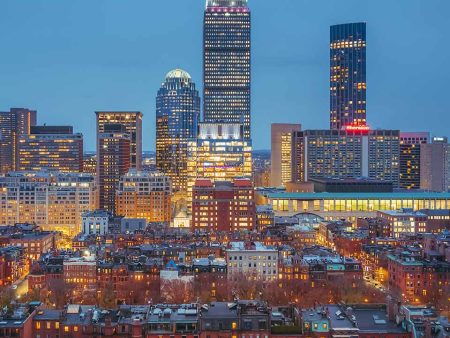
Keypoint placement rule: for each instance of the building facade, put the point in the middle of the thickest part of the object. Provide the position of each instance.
(223, 206)
(227, 62)
(347, 75)
(220, 153)
(143, 194)
(281, 153)
(254, 260)
(113, 162)
(50, 148)
(177, 117)
(410, 145)
(337, 154)
(53, 201)
(350, 206)
(129, 122)
(95, 222)
(14, 123)
(435, 165)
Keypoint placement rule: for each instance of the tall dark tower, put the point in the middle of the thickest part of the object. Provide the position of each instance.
(227, 62)
(177, 117)
(348, 75)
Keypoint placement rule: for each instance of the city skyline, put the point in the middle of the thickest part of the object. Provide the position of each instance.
(126, 81)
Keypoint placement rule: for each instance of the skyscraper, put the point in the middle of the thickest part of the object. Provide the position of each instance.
(281, 154)
(410, 158)
(113, 161)
(14, 123)
(348, 75)
(177, 117)
(50, 147)
(227, 62)
(132, 124)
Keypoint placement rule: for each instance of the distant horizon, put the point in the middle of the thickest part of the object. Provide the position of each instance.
(116, 55)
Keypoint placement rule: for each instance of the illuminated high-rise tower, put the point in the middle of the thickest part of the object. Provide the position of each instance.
(177, 116)
(227, 62)
(348, 75)
(129, 122)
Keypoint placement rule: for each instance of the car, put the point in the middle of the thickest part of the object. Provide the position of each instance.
(14, 287)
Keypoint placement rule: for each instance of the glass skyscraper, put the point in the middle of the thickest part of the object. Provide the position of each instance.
(348, 75)
(226, 62)
(177, 117)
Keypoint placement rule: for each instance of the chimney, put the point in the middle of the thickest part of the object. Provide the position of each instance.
(392, 308)
(427, 333)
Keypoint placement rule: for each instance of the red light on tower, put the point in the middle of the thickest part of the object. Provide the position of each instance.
(357, 128)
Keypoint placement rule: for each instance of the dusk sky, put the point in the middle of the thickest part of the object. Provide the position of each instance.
(69, 58)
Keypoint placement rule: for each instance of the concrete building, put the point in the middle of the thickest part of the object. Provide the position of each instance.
(281, 153)
(252, 260)
(95, 222)
(143, 194)
(52, 201)
(50, 147)
(435, 164)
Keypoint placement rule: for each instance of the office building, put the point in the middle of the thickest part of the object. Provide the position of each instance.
(177, 117)
(410, 144)
(253, 260)
(14, 123)
(343, 154)
(52, 201)
(434, 165)
(113, 161)
(220, 153)
(227, 62)
(90, 164)
(129, 122)
(223, 206)
(281, 153)
(50, 147)
(143, 194)
(347, 75)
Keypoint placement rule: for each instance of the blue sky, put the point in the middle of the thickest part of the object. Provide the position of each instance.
(69, 58)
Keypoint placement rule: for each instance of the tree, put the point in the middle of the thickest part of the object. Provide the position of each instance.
(107, 298)
(177, 291)
(59, 293)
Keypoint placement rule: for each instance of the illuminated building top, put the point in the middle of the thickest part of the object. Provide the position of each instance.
(226, 3)
(178, 74)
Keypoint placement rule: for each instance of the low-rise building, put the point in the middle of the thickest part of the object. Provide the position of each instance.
(253, 260)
